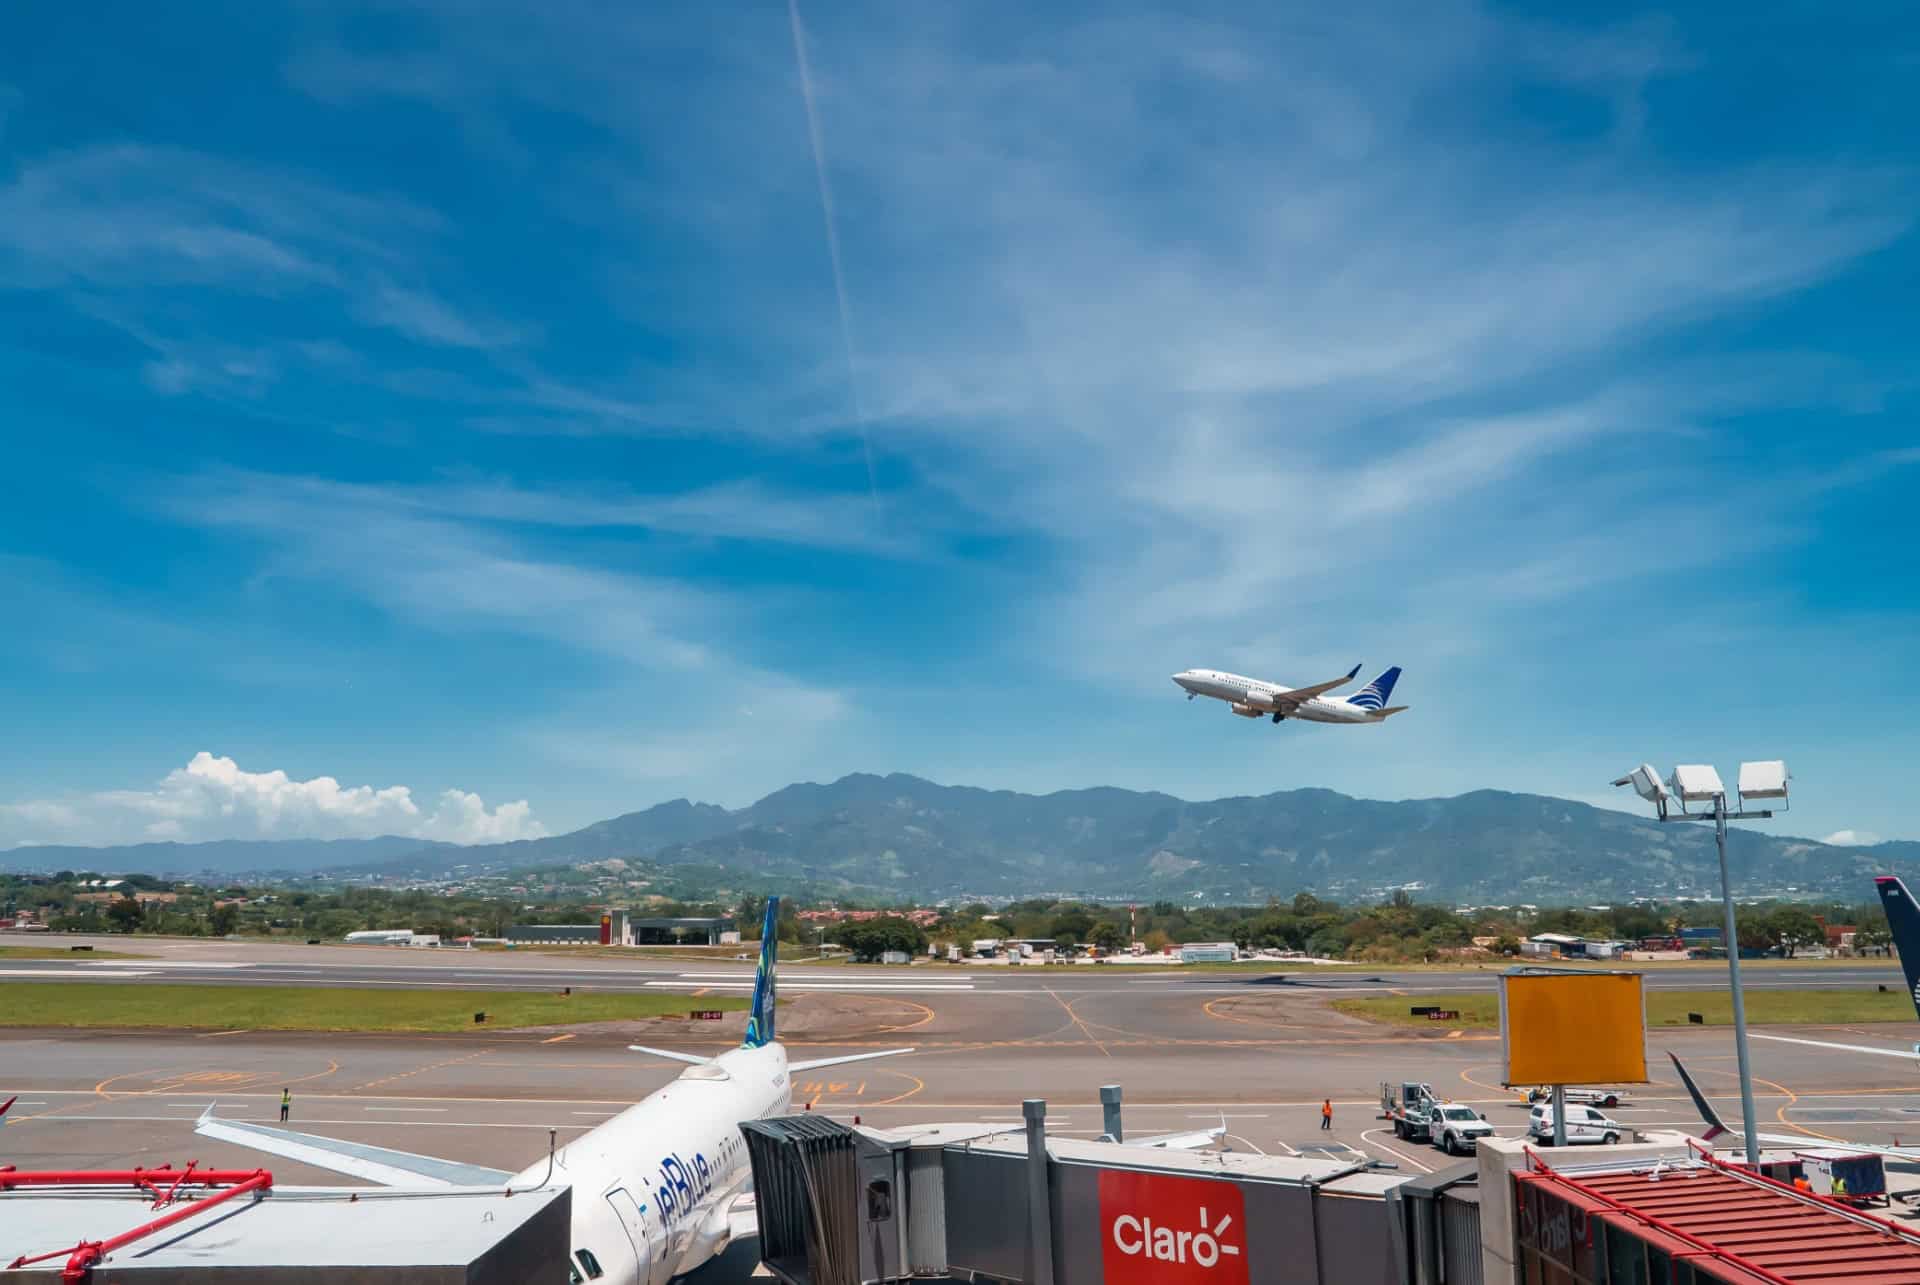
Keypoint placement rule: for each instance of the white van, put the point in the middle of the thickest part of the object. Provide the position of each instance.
(1584, 1124)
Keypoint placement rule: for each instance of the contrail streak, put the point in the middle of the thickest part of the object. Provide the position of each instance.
(833, 244)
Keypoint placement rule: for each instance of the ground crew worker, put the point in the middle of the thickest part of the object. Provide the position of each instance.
(1839, 1187)
(1326, 1113)
(286, 1103)
(1801, 1184)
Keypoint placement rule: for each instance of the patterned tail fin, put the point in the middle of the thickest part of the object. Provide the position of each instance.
(760, 1020)
(1375, 694)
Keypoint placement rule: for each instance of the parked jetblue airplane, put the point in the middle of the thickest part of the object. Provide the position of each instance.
(657, 1190)
(1251, 698)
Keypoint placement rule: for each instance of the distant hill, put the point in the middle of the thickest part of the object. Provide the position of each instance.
(912, 839)
(226, 857)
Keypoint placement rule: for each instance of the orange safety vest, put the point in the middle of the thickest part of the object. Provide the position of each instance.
(1326, 1109)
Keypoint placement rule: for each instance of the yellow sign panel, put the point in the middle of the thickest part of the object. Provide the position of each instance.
(1573, 1028)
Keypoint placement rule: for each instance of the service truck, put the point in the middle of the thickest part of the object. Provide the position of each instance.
(1411, 1108)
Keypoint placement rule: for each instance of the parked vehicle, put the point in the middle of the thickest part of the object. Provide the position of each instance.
(1584, 1124)
(1459, 1129)
(1608, 1098)
(1411, 1108)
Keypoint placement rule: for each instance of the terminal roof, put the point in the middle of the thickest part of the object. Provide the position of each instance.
(1756, 1232)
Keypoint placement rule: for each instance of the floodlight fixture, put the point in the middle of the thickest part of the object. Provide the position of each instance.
(1760, 782)
(1646, 782)
(1763, 780)
(1697, 783)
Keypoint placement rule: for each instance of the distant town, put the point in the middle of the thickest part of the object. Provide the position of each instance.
(609, 903)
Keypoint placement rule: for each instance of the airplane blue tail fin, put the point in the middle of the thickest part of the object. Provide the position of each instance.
(1374, 695)
(760, 1018)
(1903, 924)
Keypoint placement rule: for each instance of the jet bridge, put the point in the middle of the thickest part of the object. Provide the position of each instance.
(843, 1205)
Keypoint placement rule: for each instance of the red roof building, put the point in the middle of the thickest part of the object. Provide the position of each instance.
(1698, 1223)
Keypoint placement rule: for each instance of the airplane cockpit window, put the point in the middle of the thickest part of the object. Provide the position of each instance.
(589, 1264)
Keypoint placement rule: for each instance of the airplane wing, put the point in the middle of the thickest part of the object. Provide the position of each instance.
(1190, 1141)
(1301, 695)
(691, 1059)
(387, 1167)
(819, 1062)
(743, 1218)
(1717, 1128)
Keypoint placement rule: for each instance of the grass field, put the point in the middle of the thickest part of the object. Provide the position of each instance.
(316, 1008)
(63, 952)
(1664, 1008)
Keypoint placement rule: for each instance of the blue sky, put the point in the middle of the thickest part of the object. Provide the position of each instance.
(477, 420)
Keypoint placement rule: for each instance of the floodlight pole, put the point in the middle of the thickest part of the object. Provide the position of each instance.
(1749, 1117)
(1747, 1112)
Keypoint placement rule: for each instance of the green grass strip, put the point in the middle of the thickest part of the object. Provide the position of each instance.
(1664, 1008)
(321, 1008)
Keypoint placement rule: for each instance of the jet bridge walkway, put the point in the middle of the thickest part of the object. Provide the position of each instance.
(841, 1205)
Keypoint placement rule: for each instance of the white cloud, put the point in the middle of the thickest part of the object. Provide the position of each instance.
(423, 316)
(1851, 838)
(213, 797)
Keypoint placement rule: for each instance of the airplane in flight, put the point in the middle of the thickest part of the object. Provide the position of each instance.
(1252, 698)
(657, 1190)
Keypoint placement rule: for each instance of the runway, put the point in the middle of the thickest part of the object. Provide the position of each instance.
(257, 963)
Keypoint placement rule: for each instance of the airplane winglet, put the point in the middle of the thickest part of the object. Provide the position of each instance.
(1715, 1127)
(9, 1102)
(1354, 672)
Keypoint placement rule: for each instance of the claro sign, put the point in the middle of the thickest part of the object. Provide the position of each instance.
(1157, 1229)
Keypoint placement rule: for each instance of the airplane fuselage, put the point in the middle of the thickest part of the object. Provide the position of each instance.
(652, 1187)
(1252, 698)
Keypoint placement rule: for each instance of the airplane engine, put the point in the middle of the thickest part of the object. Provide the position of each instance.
(1246, 711)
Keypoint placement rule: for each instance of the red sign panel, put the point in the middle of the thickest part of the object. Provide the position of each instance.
(1158, 1229)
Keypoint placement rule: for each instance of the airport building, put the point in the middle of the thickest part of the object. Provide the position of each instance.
(619, 928)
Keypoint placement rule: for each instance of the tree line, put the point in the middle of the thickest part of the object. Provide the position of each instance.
(1396, 928)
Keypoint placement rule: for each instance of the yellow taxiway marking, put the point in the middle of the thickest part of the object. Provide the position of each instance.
(558, 1038)
(431, 1066)
(1075, 1017)
(214, 1035)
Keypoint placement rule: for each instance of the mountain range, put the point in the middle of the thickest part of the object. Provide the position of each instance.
(907, 839)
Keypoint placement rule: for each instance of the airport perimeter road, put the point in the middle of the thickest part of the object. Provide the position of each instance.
(293, 964)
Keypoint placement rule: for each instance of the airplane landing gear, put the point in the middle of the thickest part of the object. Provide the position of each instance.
(1277, 716)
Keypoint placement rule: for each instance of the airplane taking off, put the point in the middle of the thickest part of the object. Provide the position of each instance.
(657, 1190)
(1252, 698)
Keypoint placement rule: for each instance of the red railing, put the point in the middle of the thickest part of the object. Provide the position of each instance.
(82, 1257)
(1700, 1247)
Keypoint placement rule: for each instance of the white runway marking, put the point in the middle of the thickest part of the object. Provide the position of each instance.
(744, 984)
(406, 1108)
(83, 971)
(166, 963)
